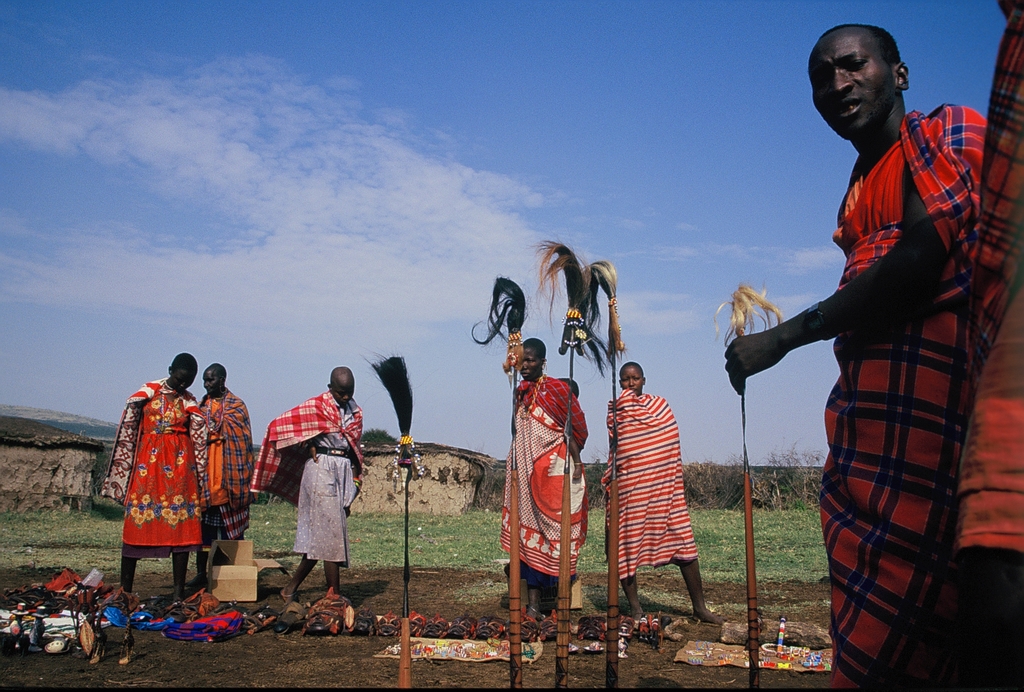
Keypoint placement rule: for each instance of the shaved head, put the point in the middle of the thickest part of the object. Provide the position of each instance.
(342, 376)
(343, 385)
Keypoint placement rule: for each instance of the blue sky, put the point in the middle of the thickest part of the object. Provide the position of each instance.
(288, 186)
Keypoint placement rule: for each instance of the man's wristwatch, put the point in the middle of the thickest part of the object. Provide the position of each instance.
(814, 322)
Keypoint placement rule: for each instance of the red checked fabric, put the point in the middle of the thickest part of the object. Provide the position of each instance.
(896, 420)
(282, 455)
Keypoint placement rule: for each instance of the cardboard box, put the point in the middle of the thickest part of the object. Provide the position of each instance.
(233, 571)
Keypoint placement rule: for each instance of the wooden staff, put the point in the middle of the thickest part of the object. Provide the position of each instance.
(564, 550)
(395, 378)
(507, 313)
(576, 336)
(611, 637)
(753, 627)
(604, 275)
(515, 640)
(745, 304)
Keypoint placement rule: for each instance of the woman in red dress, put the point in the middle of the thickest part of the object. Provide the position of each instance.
(157, 469)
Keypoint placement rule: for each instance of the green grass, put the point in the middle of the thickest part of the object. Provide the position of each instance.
(788, 543)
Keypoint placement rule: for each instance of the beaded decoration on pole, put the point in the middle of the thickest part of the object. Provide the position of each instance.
(574, 333)
(405, 456)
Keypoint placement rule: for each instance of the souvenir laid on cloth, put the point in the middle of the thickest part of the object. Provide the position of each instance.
(462, 650)
(798, 658)
(62, 623)
(212, 628)
(141, 620)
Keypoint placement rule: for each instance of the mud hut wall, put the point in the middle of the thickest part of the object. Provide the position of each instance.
(33, 478)
(447, 489)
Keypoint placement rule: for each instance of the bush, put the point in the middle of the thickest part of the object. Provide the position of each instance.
(713, 486)
(378, 436)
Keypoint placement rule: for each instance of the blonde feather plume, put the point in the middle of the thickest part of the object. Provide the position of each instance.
(606, 276)
(743, 317)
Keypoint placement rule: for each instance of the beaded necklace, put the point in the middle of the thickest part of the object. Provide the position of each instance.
(534, 391)
(214, 427)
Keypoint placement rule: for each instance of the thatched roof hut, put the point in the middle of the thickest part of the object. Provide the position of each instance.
(44, 467)
(449, 487)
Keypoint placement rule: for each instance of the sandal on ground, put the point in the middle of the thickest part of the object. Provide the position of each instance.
(365, 622)
(332, 614)
(548, 630)
(529, 629)
(462, 627)
(388, 625)
(436, 627)
(292, 614)
(489, 627)
(416, 624)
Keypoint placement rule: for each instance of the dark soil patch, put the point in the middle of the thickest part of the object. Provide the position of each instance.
(291, 660)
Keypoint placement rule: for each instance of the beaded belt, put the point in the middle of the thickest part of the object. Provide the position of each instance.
(331, 451)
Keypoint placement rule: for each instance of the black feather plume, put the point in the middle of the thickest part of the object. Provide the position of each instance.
(582, 294)
(393, 375)
(508, 311)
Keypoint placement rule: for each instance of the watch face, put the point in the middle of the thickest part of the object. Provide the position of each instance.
(815, 320)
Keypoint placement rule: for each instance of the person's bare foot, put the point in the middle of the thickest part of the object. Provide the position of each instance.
(534, 613)
(288, 597)
(707, 616)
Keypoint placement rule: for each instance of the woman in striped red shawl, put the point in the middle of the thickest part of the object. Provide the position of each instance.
(654, 524)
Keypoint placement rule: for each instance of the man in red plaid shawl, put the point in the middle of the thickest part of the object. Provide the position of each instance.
(990, 532)
(229, 466)
(897, 417)
(311, 457)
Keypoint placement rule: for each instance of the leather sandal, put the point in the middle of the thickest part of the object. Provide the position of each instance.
(292, 614)
(488, 627)
(462, 627)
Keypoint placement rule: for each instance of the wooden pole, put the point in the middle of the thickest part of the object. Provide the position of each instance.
(611, 637)
(405, 662)
(515, 640)
(753, 627)
(564, 550)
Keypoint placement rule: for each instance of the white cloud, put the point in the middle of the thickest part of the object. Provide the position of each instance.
(337, 220)
(794, 260)
(653, 312)
(806, 260)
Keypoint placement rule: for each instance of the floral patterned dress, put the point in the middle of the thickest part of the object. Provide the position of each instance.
(162, 503)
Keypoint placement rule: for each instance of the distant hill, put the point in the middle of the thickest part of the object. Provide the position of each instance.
(90, 427)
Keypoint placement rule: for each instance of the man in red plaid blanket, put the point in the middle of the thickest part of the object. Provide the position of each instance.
(229, 466)
(311, 457)
(897, 417)
(990, 532)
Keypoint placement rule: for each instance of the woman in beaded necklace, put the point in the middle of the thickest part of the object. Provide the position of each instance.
(540, 446)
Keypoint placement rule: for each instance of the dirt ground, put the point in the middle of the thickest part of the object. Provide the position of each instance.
(267, 659)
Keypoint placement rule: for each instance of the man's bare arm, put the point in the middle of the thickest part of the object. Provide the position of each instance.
(888, 290)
